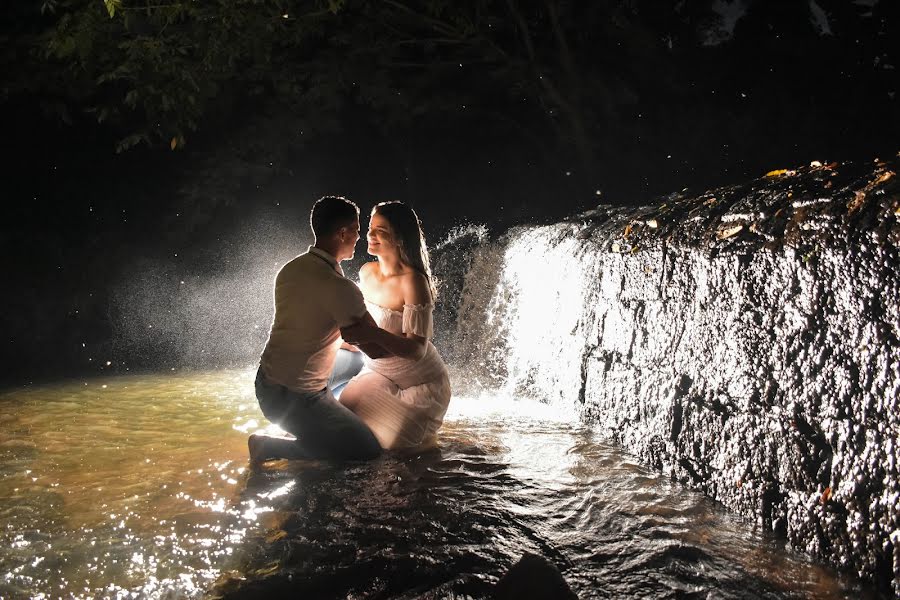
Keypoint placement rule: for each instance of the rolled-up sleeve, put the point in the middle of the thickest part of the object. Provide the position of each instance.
(346, 303)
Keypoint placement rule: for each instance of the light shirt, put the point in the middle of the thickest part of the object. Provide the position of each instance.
(313, 300)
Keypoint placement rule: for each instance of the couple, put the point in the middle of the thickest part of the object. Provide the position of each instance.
(370, 348)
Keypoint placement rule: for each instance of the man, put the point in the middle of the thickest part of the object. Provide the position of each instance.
(297, 375)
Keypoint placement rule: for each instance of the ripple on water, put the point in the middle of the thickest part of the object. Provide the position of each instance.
(141, 484)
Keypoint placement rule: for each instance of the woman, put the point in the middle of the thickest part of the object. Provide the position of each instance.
(403, 396)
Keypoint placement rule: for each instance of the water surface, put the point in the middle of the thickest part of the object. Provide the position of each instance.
(139, 487)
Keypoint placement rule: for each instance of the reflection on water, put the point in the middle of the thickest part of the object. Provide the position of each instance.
(122, 484)
(140, 484)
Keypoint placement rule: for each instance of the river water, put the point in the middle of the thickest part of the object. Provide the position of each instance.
(139, 486)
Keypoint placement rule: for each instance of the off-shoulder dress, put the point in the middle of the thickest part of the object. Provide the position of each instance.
(403, 401)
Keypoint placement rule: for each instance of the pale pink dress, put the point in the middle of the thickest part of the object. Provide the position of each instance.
(403, 401)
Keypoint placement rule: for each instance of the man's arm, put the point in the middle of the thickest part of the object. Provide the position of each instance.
(365, 335)
(347, 302)
(350, 333)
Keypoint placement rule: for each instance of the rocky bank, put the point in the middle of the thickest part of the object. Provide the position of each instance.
(745, 341)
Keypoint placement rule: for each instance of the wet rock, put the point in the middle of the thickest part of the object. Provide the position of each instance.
(533, 577)
(749, 346)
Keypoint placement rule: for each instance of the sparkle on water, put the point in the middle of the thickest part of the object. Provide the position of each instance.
(139, 487)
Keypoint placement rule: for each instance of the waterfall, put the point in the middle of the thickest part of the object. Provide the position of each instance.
(744, 341)
(535, 275)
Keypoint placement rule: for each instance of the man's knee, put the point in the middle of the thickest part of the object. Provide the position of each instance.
(365, 452)
(371, 449)
(361, 444)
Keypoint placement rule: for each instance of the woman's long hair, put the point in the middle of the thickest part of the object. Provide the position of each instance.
(407, 229)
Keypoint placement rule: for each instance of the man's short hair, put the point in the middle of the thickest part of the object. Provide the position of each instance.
(330, 213)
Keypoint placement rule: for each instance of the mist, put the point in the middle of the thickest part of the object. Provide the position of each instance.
(210, 306)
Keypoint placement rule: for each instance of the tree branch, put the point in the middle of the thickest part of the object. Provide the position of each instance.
(439, 25)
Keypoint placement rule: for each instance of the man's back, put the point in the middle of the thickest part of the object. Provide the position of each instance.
(312, 300)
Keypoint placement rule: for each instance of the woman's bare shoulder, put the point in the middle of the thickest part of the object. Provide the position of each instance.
(415, 288)
(367, 269)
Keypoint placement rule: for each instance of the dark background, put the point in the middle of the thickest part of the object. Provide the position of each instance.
(161, 159)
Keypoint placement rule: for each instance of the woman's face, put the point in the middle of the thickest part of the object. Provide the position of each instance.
(380, 237)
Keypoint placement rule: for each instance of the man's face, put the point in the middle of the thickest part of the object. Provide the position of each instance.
(349, 237)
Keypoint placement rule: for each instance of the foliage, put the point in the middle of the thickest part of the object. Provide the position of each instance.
(156, 68)
(567, 79)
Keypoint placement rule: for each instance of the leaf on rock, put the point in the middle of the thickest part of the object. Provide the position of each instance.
(272, 568)
(276, 535)
(779, 173)
(857, 201)
(882, 178)
(825, 495)
(729, 231)
(860, 196)
(174, 143)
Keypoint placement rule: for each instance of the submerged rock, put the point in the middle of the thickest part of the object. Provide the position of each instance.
(745, 341)
(533, 577)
